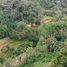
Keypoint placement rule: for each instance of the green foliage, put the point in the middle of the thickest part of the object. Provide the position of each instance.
(5, 49)
(28, 26)
(52, 30)
(6, 24)
(0, 64)
(1, 59)
(53, 35)
(13, 42)
(40, 64)
(52, 39)
(63, 3)
(41, 40)
(20, 26)
(8, 62)
(61, 58)
(48, 39)
(65, 18)
(20, 48)
(39, 54)
(16, 50)
(47, 3)
(15, 20)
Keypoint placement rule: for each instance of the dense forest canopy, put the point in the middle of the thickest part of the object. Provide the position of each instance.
(24, 10)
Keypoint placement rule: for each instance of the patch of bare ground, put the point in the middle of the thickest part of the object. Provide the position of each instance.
(45, 20)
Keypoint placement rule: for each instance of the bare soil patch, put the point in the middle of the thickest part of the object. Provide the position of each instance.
(45, 20)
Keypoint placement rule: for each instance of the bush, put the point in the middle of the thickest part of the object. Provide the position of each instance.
(39, 54)
(0, 64)
(5, 49)
(1, 59)
(60, 59)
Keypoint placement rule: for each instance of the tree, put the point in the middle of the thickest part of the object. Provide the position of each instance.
(47, 3)
(63, 3)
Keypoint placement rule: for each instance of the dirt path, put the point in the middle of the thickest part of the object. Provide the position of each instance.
(43, 20)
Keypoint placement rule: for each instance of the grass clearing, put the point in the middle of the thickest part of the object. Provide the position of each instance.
(13, 42)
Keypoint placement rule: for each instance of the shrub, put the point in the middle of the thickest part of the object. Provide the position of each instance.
(60, 59)
(4, 50)
(1, 59)
(39, 54)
